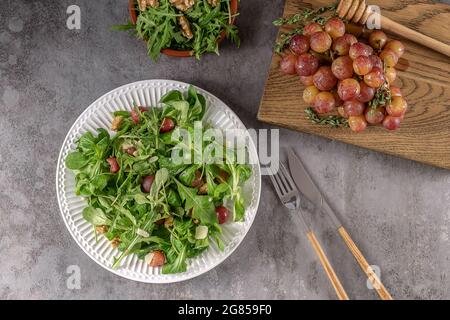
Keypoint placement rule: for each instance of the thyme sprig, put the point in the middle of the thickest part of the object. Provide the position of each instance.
(331, 120)
(383, 95)
(300, 20)
(293, 19)
(285, 38)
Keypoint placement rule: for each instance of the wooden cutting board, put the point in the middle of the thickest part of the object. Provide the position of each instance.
(425, 82)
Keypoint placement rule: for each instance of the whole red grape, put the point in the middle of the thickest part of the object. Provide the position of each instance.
(374, 115)
(359, 49)
(309, 94)
(374, 78)
(134, 116)
(166, 125)
(397, 107)
(306, 80)
(354, 107)
(146, 183)
(299, 44)
(306, 64)
(324, 102)
(357, 123)
(395, 91)
(391, 122)
(158, 259)
(335, 27)
(390, 74)
(320, 41)
(287, 63)
(389, 57)
(312, 28)
(348, 89)
(341, 112)
(366, 93)
(342, 67)
(113, 165)
(342, 44)
(362, 65)
(222, 214)
(397, 47)
(376, 61)
(377, 39)
(324, 79)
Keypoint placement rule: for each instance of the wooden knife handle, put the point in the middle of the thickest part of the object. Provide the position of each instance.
(376, 282)
(342, 295)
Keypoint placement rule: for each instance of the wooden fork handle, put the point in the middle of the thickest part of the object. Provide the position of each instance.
(342, 295)
(376, 282)
(400, 30)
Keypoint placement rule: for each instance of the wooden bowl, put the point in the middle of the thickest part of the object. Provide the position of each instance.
(182, 53)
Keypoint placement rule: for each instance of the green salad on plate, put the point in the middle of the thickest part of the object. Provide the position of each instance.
(146, 203)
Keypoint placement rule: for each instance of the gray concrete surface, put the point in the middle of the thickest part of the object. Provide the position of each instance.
(397, 211)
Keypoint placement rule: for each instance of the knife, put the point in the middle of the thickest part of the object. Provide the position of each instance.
(309, 189)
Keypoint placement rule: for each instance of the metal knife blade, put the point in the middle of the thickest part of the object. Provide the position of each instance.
(307, 186)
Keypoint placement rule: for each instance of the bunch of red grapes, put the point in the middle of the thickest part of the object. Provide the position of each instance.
(350, 76)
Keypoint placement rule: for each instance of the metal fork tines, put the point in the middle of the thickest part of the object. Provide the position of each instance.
(288, 192)
(290, 197)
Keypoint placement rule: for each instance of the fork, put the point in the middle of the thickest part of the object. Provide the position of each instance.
(290, 197)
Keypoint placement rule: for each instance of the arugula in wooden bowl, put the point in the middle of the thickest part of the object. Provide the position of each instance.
(183, 28)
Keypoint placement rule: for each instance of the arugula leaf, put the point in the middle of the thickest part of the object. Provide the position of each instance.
(197, 104)
(179, 265)
(187, 176)
(76, 160)
(221, 190)
(95, 216)
(126, 213)
(173, 95)
(123, 27)
(173, 198)
(183, 108)
(161, 177)
(100, 181)
(202, 207)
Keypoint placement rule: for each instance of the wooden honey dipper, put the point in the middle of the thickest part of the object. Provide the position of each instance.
(357, 11)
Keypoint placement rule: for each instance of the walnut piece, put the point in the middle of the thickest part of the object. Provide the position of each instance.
(101, 229)
(182, 5)
(213, 3)
(185, 27)
(117, 121)
(203, 189)
(153, 3)
(115, 242)
(168, 222)
(144, 4)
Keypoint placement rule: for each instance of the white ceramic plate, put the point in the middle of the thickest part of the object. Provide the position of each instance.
(98, 115)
